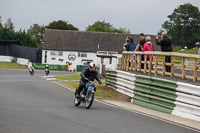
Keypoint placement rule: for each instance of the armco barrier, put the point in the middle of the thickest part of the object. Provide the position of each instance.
(159, 94)
(52, 67)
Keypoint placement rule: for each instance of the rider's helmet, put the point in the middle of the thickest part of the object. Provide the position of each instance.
(46, 65)
(92, 66)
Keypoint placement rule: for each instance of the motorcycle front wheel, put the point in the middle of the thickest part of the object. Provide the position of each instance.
(89, 100)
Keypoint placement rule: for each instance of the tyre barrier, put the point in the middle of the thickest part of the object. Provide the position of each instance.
(21, 61)
(166, 96)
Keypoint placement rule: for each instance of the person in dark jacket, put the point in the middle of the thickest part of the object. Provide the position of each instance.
(88, 74)
(166, 46)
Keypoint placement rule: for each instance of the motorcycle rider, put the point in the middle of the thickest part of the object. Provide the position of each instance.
(31, 69)
(47, 68)
(88, 74)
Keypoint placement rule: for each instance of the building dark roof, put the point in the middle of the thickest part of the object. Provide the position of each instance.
(66, 40)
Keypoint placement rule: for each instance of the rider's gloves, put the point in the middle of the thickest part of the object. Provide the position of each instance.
(100, 82)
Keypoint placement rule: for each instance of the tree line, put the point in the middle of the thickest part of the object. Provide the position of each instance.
(183, 27)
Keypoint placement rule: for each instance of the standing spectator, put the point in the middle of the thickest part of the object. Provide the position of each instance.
(125, 45)
(131, 47)
(198, 45)
(166, 46)
(147, 47)
(141, 43)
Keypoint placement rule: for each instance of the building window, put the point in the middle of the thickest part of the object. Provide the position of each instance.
(82, 54)
(56, 53)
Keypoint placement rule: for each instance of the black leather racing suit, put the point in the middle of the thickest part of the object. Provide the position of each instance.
(90, 75)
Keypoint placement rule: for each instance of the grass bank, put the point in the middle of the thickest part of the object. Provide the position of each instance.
(102, 92)
(11, 65)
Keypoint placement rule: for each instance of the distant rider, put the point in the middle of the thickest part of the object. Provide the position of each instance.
(47, 68)
(31, 69)
(88, 74)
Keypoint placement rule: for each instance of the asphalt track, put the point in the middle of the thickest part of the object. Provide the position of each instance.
(30, 104)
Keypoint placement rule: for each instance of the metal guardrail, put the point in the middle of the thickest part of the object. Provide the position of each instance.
(128, 64)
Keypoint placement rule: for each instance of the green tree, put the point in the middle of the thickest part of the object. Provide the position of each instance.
(37, 32)
(102, 26)
(61, 25)
(184, 25)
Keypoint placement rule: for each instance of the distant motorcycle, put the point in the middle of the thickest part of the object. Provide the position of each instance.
(47, 71)
(88, 98)
(31, 70)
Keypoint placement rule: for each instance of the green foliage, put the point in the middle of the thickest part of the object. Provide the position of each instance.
(106, 27)
(37, 32)
(61, 25)
(176, 48)
(160, 32)
(184, 25)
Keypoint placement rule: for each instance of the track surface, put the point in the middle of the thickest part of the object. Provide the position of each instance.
(29, 104)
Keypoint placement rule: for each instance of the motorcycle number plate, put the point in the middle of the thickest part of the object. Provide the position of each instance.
(91, 89)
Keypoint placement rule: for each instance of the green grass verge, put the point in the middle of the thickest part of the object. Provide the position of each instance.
(11, 65)
(102, 92)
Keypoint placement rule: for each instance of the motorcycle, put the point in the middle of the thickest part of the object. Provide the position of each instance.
(88, 98)
(31, 71)
(47, 71)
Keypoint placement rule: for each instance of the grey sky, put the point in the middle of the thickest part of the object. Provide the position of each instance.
(145, 16)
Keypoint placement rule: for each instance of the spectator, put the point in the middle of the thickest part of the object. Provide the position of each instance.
(166, 46)
(131, 47)
(141, 43)
(147, 47)
(125, 45)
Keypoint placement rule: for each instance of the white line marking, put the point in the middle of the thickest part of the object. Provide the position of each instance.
(187, 127)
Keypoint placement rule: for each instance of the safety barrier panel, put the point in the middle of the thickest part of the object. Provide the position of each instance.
(51, 67)
(167, 96)
(23, 61)
(6, 58)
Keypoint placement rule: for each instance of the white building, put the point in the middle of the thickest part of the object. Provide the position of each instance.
(81, 48)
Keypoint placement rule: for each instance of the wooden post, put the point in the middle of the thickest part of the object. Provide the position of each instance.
(127, 62)
(172, 66)
(183, 68)
(195, 71)
(131, 62)
(145, 63)
(135, 62)
(122, 61)
(150, 63)
(156, 64)
(163, 66)
(140, 57)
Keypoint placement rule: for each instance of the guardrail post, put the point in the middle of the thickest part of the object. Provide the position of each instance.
(163, 66)
(145, 63)
(172, 66)
(150, 63)
(183, 68)
(156, 64)
(195, 71)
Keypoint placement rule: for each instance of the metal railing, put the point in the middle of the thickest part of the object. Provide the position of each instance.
(178, 61)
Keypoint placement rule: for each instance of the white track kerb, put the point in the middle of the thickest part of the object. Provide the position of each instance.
(167, 96)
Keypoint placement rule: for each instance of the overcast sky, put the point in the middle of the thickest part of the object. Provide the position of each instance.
(145, 16)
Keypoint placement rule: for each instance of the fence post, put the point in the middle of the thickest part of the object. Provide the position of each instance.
(122, 61)
(156, 63)
(183, 68)
(131, 62)
(150, 63)
(163, 66)
(135, 62)
(195, 71)
(127, 62)
(140, 57)
(145, 63)
(172, 66)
